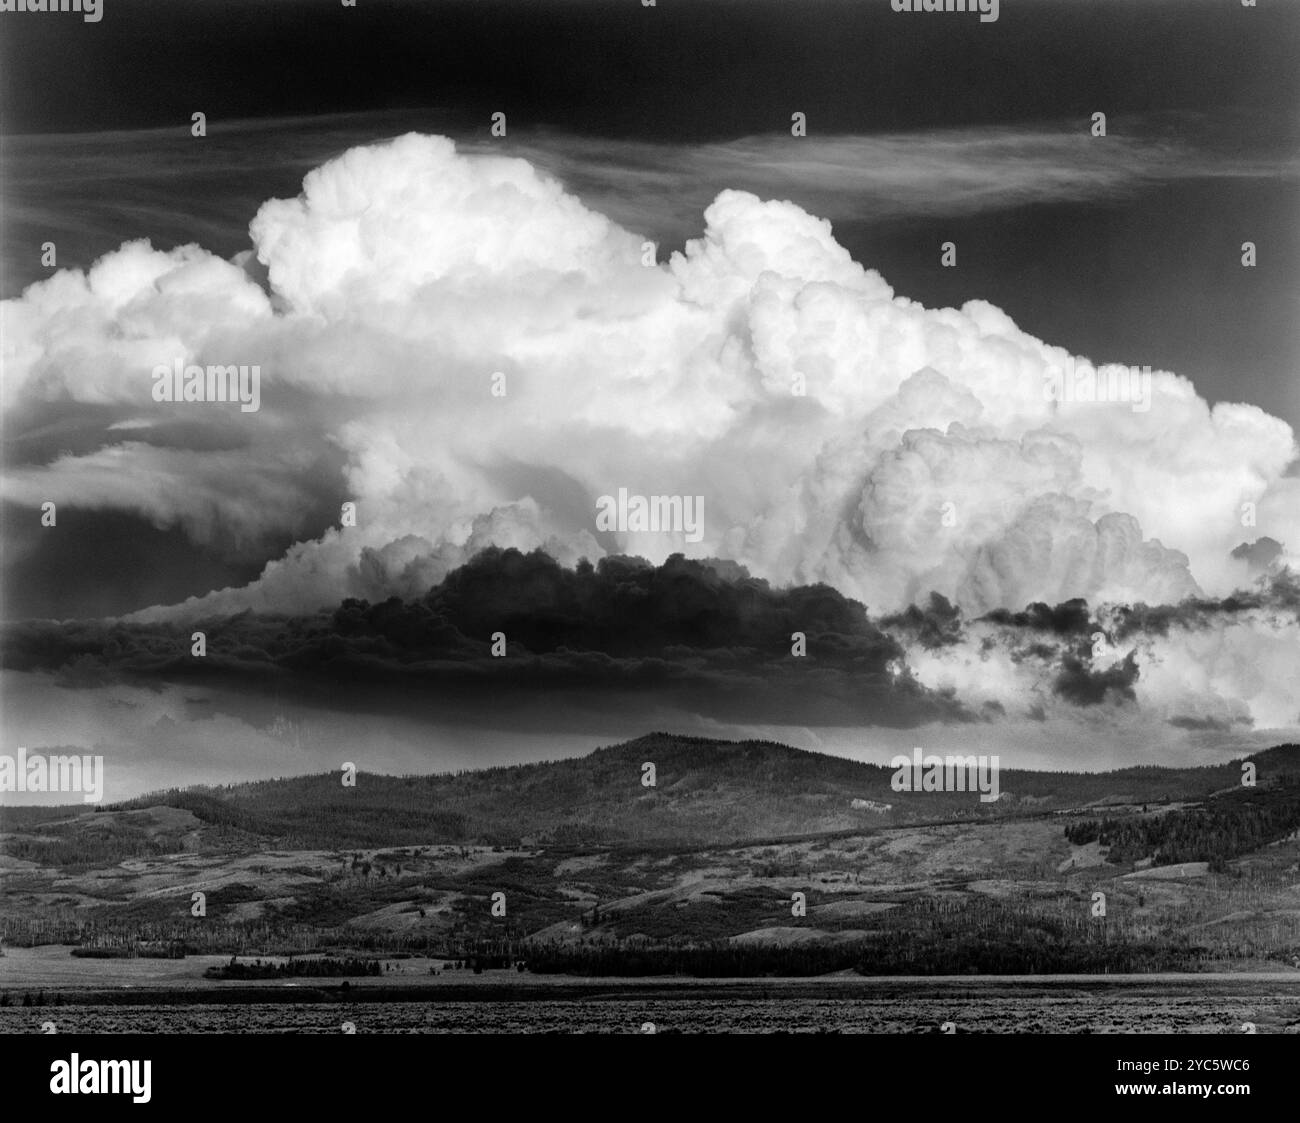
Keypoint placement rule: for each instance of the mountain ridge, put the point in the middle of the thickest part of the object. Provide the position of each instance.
(704, 790)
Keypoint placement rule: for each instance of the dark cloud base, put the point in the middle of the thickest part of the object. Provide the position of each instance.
(702, 635)
(705, 635)
(1279, 596)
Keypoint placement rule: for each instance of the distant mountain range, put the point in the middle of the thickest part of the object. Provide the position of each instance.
(704, 791)
(741, 858)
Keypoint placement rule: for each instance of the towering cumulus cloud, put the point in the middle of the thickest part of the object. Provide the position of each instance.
(482, 357)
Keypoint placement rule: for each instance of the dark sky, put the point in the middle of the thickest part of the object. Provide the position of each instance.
(684, 70)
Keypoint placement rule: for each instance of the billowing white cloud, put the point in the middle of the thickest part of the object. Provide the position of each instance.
(837, 431)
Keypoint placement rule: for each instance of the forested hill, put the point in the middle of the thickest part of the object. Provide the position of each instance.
(703, 791)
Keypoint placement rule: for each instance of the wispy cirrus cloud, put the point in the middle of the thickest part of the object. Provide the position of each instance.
(101, 189)
(892, 175)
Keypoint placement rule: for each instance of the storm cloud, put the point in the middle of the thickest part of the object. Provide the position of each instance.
(470, 356)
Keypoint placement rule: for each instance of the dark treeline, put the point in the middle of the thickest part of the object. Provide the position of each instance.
(114, 939)
(296, 969)
(87, 850)
(1227, 828)
(960, 955)
(976, 936)
(970, 935)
